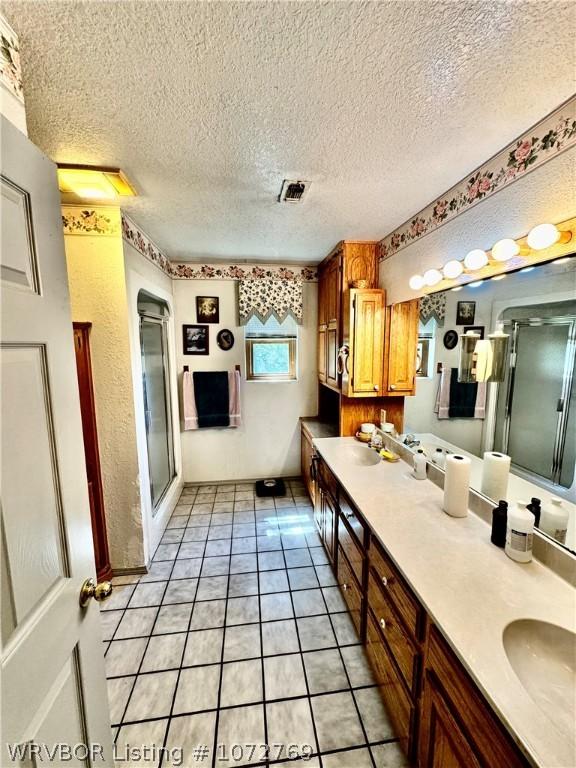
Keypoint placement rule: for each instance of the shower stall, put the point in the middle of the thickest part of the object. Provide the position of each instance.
(154, 316)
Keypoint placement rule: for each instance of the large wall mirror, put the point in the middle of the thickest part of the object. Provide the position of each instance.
(530, 415)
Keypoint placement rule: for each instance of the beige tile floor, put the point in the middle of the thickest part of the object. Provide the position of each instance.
(238, 636)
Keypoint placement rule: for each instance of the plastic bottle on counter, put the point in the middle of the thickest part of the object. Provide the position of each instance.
(499, 524)
(420, 465)
(554, 520)
(536, 510)
(519, 533)
(439, 458)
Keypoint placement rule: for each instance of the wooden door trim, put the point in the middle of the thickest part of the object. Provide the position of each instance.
(91, 449)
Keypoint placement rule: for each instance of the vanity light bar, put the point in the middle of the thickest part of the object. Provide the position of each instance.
(539, 238)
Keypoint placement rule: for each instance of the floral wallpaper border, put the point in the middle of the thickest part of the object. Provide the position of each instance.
(10, 64)
(90, 221)
(552, 135)
(225, 271)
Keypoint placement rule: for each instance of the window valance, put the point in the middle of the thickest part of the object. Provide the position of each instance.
(266, 298)
(433, 306)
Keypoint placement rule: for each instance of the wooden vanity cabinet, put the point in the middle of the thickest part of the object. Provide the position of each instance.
(439, 715)
(325, 508)
(457, 728)
(306, 456)
(400, 349)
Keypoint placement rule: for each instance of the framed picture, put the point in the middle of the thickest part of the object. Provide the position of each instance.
(465, 312)
(225, 339)
(450, 339)
(479, 329)
(195, 339)
(207, 309)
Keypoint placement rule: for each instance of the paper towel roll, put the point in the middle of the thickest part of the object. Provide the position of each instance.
(495, 471)
(456, 485)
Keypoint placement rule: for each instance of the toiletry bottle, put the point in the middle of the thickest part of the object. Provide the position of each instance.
(554, 520)
(536, 510)
(420, 465)
(519, 533)
(499, 523)
(438, 458)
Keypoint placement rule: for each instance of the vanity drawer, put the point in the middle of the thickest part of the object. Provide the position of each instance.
(399, 593)
(326, 479)
(355, 522)
(396, 700)
(350, 589)
(351, 549)
(400, 644)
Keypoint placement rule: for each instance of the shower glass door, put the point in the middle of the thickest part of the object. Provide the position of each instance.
(539, 430)
(157, 412)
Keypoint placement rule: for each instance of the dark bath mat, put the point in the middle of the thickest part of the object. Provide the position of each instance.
(275, 487)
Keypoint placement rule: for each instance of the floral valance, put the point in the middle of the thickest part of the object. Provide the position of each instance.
(264, 298)
(433, 306)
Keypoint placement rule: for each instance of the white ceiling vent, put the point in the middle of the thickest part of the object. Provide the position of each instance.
(293, 191)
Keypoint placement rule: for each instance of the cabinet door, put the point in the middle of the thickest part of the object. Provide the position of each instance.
(319, 509)
(306, 454)
(332, 355)
(322, 354)
(401, 348)
(333, 289)
(328, 524)
(367, 343)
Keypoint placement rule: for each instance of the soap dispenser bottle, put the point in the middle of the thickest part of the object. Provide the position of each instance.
(420, 465)
(519, 533)
(499, 523)
(555, 520)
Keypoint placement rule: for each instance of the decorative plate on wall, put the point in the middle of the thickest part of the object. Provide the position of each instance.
(450, 339)
(225, 339)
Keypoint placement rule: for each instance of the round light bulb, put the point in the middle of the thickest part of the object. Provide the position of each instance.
(416, 282)
(505, 249)
(543, 236)
(475, 284)
(452, 269)
(432, 276)
(476, 259)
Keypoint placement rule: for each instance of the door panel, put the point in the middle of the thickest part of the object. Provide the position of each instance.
(368, 342)
(50, 646)
(403, 340)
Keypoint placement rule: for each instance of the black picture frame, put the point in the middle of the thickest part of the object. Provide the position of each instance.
(207, 309)
(225, 339)
(465, 312)
(450, 339)
(479, 329)
(195, 339)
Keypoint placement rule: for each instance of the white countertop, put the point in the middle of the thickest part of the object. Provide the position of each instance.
(469, 587)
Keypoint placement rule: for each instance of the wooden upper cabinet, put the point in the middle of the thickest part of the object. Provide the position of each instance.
(401, 344)
(349, 261)
(364, 334)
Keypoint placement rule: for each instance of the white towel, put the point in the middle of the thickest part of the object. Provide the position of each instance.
(189, 402)
(234, 398)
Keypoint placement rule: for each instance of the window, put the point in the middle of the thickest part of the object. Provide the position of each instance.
(271, 349)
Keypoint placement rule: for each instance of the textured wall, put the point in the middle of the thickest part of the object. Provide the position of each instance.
(98, 295)
(547, 194)
(268, 442)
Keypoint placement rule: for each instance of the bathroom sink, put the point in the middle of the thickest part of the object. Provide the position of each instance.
(543, 656)
(363, 456)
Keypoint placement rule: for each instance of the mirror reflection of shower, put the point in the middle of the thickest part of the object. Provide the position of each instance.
(535, 413)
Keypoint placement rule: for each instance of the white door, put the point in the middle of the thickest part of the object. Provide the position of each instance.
(53, 681)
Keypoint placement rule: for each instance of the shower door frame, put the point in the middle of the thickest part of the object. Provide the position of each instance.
(161, 320)
(563, 401)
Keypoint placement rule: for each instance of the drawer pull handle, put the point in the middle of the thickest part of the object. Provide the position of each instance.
(383, 623)
(348, 515)
(345, 587)
(384, 581)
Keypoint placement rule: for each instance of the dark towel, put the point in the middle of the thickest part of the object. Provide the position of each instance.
(462, 398)
(212, 399)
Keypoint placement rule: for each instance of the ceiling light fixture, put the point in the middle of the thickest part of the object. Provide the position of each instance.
(527, 269)
(432, 277)
(498, 277)
(476, 259)
(456, 288)
(546, 235)
(562, 260)
(505, 249)
(94, 183)
(452, 269)
(416, 282)
(475, 284)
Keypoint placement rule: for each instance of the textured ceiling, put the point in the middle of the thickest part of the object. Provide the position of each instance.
(208, 106)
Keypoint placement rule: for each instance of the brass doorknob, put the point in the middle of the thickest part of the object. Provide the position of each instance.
(90, 589)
